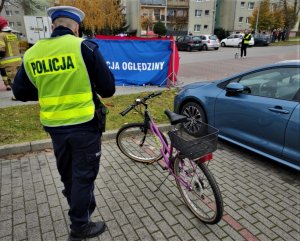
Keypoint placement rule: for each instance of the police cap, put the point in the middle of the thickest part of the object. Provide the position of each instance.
(66, 11)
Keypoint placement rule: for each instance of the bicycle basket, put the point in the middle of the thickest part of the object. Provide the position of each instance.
(194, 147)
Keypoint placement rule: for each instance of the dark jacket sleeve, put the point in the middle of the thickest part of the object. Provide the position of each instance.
(22, 87)
(101, 77)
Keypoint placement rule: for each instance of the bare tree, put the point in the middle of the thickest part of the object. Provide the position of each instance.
(30, 6)
(290, 11)
(146, 23)
(178, 23)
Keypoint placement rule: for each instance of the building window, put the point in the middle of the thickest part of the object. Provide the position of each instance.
(19, 23)
(199, 1)
(251, 5)
(11, 24)
(205, 26)
(240, 19)
(242, 4)
(171, 12)
(247, 20)
(157, 14)
(206, 12)
(17, 12)
(179, 13)
(198, 13)
(8, 12)
(197, 27)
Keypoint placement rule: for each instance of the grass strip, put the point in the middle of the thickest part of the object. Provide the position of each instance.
(21, 123)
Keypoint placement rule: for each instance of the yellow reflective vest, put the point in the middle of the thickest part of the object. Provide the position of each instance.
(10, 45)
(247, 38)
(56, 68)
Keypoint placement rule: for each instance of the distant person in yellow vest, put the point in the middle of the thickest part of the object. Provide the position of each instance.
(10, 58)
(245, 43)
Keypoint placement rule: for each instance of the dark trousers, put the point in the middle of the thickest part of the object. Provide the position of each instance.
(244, 50)
(77, 153)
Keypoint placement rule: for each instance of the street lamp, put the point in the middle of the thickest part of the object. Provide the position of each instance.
(257, 17)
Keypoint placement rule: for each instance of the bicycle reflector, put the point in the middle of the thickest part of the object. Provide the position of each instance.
(206, 158)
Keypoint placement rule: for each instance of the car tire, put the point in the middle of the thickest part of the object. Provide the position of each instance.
(205, 48)
(216, 48)
(223, 44)
(189, 49)
(195, 115)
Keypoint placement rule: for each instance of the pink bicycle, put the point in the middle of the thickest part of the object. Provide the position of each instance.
(186, 157)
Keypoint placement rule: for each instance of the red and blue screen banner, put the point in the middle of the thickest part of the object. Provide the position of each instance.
(137, 61)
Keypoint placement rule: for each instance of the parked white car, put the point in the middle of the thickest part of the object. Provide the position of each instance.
(235, 40)
(210, 42)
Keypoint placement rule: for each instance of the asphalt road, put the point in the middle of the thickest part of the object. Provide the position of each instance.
(261, 197)
(199, 66)
(213, 65)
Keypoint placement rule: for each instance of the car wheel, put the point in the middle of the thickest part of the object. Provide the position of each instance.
(205, 47)
(195, 116)
(189, 49)
(223, 44)
(216, 48)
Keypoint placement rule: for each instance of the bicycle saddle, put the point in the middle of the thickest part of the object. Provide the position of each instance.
(175, 118)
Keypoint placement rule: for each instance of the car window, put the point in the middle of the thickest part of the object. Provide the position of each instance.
(187, 38)
(180, 39)
(213, 37)
(279, 83)
(196, 38)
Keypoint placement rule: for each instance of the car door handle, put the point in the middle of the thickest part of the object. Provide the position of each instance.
(278, 109)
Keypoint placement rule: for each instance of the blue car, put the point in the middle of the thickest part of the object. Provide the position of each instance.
(258, 110)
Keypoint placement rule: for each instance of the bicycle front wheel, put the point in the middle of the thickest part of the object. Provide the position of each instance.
(139, 146)
(199, 190)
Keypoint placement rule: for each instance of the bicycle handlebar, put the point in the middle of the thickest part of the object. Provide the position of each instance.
(139, 101)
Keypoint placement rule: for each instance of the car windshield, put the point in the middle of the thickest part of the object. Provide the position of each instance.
(213, 37)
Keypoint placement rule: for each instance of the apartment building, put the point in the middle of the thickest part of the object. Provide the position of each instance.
(138, 11)
(151, 11)
(179, 16)
(233, 15)
(14, 15)
(202, 15)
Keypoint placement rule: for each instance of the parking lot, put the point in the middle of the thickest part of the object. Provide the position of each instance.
(261, 198)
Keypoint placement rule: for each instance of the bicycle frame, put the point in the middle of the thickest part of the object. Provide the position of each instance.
(165, 149)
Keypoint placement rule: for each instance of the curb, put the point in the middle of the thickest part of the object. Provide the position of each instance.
(40, 145)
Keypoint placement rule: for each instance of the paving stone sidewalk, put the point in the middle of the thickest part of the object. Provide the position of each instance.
(261, 199)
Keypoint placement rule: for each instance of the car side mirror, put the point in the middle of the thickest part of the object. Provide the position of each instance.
(234, 89)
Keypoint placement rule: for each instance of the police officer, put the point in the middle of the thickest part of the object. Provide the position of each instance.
(65, 73)
(10, 58)
(245, 43)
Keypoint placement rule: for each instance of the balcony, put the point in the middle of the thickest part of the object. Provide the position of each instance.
(178, 19)
(159, 18)
(178, 3)
(154, 2)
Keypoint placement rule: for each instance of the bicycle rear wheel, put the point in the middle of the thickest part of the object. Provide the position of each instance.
(201, 194)
(138, 146)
